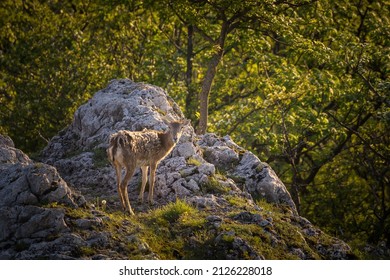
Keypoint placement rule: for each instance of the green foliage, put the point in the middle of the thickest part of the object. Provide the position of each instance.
(193, 161)
(303, 84)
(84, 251)
(214, 186)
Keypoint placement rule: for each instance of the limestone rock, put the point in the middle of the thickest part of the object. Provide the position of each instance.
(9, 154)
(78, 152)
(259, 178)
(122, 105)
(234, 247)
(34, 184)
(25, 188)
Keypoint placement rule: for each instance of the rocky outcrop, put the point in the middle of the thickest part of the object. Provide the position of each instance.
(25, 187)
(208, 191)
(196, 163)
(9, 154)
(252, 175)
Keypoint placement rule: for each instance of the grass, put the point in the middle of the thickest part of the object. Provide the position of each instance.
(238, 201)
(213, 186)
(78, 213)
(172, 212)
(168, 229)
(185, 233)
(193, 161)
(84, 252)
(180, 231)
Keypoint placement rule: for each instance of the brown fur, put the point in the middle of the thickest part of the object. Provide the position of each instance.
(132, 149)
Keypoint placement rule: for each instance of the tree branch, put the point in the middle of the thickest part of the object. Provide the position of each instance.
(243, 119)
(354, 131)
(196, 28)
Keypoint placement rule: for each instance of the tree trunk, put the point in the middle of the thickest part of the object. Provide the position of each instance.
(191, 95)
(208, 79)
(295, 197)
(205, 93)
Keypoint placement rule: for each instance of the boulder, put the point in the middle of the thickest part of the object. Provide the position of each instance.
(9, 154)
(27, 188)
(258, 178)
(233, 247)
(34, 184)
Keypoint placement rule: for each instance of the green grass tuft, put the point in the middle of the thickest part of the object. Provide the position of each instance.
(172, 212)
(213, 186)
(193, 161)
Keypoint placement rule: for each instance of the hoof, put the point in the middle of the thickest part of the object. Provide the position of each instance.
(131, 212)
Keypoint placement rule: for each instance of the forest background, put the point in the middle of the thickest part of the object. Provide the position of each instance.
(304, 84)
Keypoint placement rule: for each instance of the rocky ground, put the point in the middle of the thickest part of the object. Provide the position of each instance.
(214, 199)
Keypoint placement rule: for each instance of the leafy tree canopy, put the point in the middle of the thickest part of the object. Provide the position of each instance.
(303, 84)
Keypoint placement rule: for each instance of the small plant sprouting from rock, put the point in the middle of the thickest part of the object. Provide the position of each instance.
(193, 161)
(213, 186)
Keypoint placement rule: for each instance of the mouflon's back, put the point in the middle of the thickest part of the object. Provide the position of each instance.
(143, 147)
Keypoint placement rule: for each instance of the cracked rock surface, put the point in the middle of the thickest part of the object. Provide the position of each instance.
(24, 187)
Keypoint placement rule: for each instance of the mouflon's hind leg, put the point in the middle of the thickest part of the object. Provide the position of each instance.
(129, 173)
(144, 170)
(152, 175)
(118, 171)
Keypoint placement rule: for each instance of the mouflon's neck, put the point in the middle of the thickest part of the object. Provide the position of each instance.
(166, 139)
